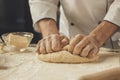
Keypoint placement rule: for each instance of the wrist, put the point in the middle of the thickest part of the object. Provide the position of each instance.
(103, 32)
(48, 27)
(96, 39)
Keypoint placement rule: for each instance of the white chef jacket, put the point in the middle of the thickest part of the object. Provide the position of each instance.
(78, 16)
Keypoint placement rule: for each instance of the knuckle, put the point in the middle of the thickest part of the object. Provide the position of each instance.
(54, 35)
(57, 38)
(55, 48)
(48, 37)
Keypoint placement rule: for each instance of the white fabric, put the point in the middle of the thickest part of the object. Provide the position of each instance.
(83, 14)
(42, 9)
(113, 14)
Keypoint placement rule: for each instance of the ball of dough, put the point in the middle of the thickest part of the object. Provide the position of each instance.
(64, 57)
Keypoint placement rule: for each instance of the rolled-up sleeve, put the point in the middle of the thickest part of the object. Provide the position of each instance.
(41, 9)
(113, 14)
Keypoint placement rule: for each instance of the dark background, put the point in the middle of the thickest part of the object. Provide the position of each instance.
(15, 16)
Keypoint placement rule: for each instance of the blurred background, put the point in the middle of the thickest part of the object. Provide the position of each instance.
(15, 16)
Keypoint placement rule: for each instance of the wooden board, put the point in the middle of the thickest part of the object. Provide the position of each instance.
(26, 66)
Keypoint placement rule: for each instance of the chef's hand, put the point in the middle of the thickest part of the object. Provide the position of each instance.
(51, 43)
(84, 46)
(88, 46)
(51, 40)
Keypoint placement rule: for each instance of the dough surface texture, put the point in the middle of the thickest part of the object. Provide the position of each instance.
(64, 57)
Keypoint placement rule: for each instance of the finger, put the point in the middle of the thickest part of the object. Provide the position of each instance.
(74, 41)
(93, 53)
(56, 46)
(86, 50)
(78, 48)
(42, 47)
(48, 45)
(38, 47)
(64, 42)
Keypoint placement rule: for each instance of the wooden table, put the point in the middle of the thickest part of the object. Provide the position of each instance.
(26, 66)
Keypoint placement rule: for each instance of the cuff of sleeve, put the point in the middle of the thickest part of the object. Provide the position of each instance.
(36, 26)
(113, 15)
(42, 10)
(113, 21)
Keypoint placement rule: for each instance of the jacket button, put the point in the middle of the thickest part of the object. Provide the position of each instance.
(72, 24)
(99, 22)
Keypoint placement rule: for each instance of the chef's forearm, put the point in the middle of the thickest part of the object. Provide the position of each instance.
(47, 27)
(103, 31)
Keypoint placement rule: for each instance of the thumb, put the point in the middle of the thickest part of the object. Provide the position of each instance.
(64, 41)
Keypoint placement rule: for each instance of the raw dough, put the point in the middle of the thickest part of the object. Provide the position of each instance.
(64, 57)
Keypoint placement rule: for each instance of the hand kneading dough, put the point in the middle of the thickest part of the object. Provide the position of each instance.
(64, 57)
